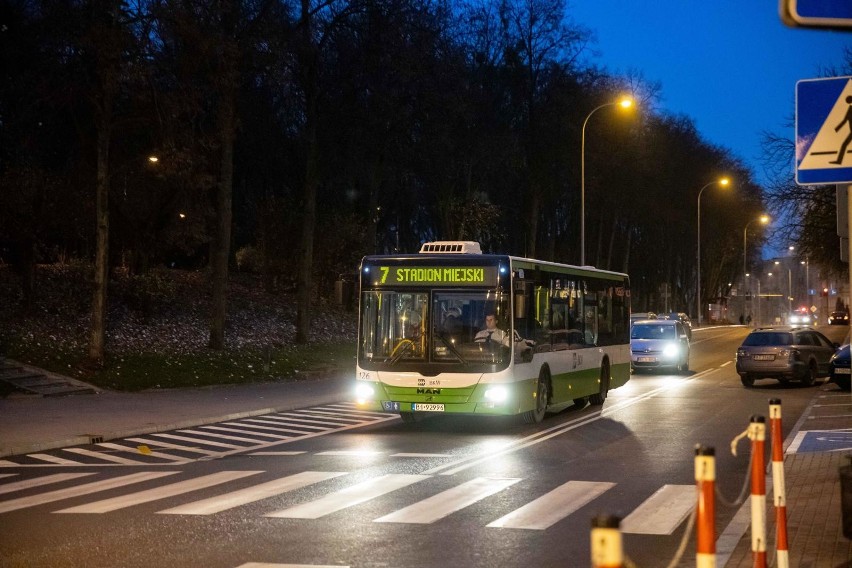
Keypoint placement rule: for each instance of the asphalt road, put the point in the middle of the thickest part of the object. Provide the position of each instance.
(369, 491)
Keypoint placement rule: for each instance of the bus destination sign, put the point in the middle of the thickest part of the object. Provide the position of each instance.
(433, 275)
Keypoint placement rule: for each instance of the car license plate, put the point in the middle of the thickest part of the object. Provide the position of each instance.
(423, 407)
(842, 371)
(764, 357)
(647, 360)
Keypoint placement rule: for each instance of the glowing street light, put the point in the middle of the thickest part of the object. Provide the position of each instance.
(625, 103)
(723, 182)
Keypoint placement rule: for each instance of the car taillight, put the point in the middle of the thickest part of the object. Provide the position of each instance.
(742, 353)
(794, 355)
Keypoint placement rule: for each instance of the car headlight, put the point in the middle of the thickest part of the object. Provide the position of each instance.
(497, 394)
(671, 350)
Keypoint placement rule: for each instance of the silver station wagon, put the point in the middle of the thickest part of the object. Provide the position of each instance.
(785, 354)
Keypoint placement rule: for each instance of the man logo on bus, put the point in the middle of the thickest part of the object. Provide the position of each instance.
(428, 391)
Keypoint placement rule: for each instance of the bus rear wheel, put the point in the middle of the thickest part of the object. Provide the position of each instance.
(542, 393)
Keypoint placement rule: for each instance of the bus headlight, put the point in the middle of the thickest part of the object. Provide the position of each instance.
(364, 392)
(497, 394)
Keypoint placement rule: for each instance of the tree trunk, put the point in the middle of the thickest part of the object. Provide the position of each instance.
(99, 297)
(220, 254)
(310, 85)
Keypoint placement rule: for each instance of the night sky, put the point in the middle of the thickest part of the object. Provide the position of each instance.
(730, 65)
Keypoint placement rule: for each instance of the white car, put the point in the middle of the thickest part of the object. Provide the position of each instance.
(801, 318)
(657, 344)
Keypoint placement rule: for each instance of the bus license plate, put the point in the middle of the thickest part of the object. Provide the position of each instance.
(427, 407)
(647, 360)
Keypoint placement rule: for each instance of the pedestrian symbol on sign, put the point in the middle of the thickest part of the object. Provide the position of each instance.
(846, 120)
(824, 131)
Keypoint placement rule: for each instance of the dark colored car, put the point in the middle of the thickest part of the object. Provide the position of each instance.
(840, 368)
(838, 318)
(784, 353)
(682, 317)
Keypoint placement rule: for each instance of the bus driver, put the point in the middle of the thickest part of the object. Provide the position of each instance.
(491, 333)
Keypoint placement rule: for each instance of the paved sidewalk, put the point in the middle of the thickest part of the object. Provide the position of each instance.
(31, 423)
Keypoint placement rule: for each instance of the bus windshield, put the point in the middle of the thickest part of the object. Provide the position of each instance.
(401, 328)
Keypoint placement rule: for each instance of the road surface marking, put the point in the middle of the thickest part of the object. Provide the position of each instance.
(201, 441)
(241, 431)
(662, 512)
(54, 459)
(78, 490)
(115, 503)
(251, 494)
(160, 444)
(449, 501)
(160, 455)
(348, 497)
(103, 456)
(46, 480)
(553, 506)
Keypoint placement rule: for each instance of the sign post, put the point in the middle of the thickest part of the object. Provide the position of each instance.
(823, 140)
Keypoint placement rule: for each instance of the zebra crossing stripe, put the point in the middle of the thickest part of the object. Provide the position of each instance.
(54, 459)
(222, 436)
(293, 417)
(252, 494)
(199, 441)
(250, 432)
(662, 512)
(282, 422)
(103, 456)
(7, 474)
(160, 455)
(257, 427)
(148, 495)
(328, 417)
(38, 481)
(78, 490)
(160, 444)
(356, 453)
(554, 506)
(270, 565)
(349, 497)
(449, 501)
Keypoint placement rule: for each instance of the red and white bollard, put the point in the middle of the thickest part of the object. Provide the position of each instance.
(705, 522)
(757, 435)
(779, 490)
(606, 542)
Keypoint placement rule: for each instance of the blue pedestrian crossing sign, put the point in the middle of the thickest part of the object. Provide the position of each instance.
(824, 131)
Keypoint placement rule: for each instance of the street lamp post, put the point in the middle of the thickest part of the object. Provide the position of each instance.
(723, 182)
(623, 103)
(764, 219)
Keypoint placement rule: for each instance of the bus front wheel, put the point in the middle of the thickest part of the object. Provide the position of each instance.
(542, 393)
(599, 398)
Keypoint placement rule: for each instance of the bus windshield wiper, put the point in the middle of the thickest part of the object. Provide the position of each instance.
(452, 348)
(402, 349)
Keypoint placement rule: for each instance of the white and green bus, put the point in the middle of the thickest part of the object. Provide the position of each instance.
(559, 334)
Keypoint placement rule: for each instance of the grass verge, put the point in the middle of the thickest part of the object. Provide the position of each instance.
(135, 372)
